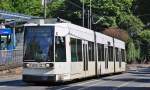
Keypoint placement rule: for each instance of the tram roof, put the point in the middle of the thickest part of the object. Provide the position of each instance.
(51, 22)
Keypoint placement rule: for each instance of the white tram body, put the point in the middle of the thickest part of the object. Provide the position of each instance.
(69, 53)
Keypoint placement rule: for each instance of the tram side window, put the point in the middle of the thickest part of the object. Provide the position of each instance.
(91, 51)
(106, 57)
(123, 55)
(76, 50)
(60, 49)
(110, 53)
(120, 58)
(100, 52)
(102, 57)
(79, 49)
(73, 50)
(117, 54)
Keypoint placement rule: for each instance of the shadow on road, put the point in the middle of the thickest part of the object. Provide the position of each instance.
(12, 83)
(142, 80)
(104, 88)
(140, 75)
(20, 83)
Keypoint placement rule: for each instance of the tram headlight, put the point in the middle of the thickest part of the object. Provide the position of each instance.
(26, 65)
(49, 65)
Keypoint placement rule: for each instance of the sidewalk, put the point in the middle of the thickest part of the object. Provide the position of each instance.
(15, 71)
(10, 77)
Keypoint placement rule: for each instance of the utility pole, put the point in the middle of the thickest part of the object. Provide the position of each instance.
(83, 12)
(45, 6)
(88, 19)
(114, 53)
(95, 45)
(90, 14)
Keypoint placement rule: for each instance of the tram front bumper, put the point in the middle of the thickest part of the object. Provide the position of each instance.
(33, 78)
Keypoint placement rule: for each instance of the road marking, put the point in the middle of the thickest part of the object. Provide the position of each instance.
(124, 84)
(98, 83)
(92, 85)
(77, 85)
(87, 83)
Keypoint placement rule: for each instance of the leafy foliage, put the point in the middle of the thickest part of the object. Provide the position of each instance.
(141, 8)
(6, 5)
(130, 23)
(109, 10)
(145, 44)
(105, 13)
(132, 52)
(145, 35)
(29, 7)
(54, 8)
(68, 9)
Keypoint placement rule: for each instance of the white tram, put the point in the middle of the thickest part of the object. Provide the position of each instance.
(63, 51)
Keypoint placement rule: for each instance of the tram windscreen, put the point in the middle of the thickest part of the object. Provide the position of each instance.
(39, 44)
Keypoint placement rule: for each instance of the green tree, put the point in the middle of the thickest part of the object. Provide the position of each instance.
(145, 44)
(130, 23)
(110, 10)
(29, 7)
(132, 52)
(68, 9)
(6, 5)
(106, 13)
(141, 8)
(145, 35)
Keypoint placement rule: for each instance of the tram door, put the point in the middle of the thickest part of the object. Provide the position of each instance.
(85, 55)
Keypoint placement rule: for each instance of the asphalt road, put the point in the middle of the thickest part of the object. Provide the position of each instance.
(133, 80)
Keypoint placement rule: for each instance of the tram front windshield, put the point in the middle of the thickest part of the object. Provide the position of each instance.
(39, 44)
